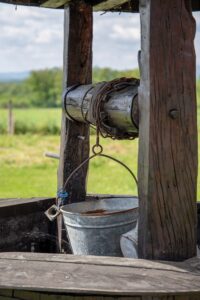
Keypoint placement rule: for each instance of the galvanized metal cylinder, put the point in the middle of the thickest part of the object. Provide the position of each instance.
(120, 108)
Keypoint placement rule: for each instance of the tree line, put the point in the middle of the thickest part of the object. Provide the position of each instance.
(43, 88)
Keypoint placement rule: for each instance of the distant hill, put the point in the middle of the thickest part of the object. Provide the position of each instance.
(13, 76)
(20, 76)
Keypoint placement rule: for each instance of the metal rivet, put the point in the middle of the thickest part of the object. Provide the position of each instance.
(80, 137)
(174, 113)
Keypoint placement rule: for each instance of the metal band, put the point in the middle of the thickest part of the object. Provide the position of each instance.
(66, 92)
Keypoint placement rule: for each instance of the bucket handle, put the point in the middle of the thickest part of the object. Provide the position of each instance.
(97, 151)
(54, 211)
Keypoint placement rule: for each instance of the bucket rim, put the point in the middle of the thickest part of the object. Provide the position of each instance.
(98, 215)
(113, 225)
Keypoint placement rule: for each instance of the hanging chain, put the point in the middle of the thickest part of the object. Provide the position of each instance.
(97, 149)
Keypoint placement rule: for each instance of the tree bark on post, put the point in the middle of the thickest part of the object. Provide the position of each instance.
(168, 131)
(77, 69)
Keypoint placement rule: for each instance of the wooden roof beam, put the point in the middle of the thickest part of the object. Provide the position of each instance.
(108, 5)
(55, 3)
(98, 5)
(116, 5)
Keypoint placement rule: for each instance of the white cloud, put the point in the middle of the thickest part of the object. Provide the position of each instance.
(116, 41)
(125, 33)
(32, 38)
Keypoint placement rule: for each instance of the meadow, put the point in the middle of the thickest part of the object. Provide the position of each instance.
(26, 172)
(44, 121)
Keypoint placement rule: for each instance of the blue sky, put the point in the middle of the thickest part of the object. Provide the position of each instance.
(32, 38)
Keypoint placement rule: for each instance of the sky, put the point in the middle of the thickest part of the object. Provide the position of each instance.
(32, 39)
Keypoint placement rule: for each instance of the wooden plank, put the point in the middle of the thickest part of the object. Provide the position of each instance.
(8, 298)
(29, 295)
(24, 226)
(6, 293)
(24, 2)
(158, 298)
(186, 267)
(168, 131)
(77, 70)
(128, 6)
(55, 3)
(109, 4)
(67, 277)
(198, 224)
(26, 295)
(5, 202)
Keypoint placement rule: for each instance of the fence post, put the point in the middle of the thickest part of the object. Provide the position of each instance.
(11, 123)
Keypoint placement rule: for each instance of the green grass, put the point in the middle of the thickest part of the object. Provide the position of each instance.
(32, 120)
(25, 172)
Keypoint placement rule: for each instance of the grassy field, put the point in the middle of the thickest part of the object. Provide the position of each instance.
(32, 120)
(26, 172)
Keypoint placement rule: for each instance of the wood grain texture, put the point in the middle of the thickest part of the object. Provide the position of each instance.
(77, 70)
(54, 3)
(128, 6)
(29, 295)
(168, 131)
(108, 4)
(24, 226)
(6, 202)
(190, 265)
(58, 275)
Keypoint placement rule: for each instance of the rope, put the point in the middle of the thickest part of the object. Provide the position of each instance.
(63, 197)
(100, 97)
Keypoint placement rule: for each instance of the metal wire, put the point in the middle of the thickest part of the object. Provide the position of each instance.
(100, 98)
(97, 153)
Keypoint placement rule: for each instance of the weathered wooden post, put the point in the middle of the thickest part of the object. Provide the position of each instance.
(77, 70)
(11, 123)
(168, 131)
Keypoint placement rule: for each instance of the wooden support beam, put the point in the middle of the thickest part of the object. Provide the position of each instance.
(55, 3)
(108, 4)
(77, 70)
(168, 131)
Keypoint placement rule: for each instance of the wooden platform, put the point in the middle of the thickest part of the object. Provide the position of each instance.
(41, 276)
(86, 275)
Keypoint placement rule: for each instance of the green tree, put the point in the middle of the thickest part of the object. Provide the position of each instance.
(44, 87)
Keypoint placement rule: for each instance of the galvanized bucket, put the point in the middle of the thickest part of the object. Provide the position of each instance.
(95, 227)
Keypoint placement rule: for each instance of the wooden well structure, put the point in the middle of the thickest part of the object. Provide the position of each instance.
(167, 177)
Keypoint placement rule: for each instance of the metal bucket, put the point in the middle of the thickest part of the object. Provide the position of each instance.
(95, 227)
